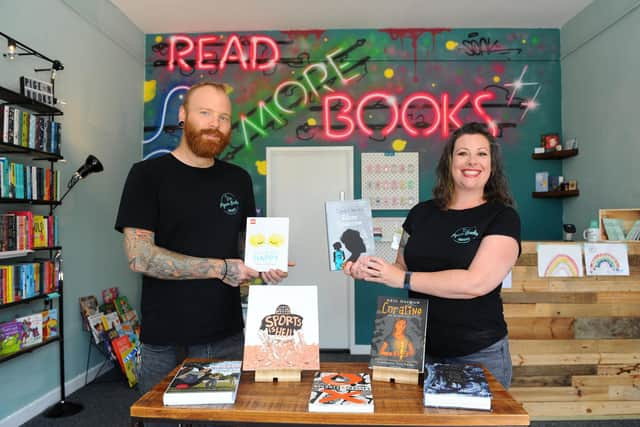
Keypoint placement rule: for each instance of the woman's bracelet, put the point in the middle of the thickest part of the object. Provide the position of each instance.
(224, 275)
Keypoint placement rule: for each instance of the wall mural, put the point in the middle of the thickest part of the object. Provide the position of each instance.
(386, 90)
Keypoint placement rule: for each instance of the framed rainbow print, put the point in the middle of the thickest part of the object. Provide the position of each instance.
(606, 259)
(563, 260)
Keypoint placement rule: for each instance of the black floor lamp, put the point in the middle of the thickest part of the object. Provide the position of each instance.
(65, 408)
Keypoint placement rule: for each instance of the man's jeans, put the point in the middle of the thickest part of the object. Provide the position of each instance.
(496, 358)
(159, 360)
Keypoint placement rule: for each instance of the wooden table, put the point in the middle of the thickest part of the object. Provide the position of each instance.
(287, 403)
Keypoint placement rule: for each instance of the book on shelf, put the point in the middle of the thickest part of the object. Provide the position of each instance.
(204, 383)
(634, 232)
(267, 243)
(96, 326)
(282, 328)
(341, 392)
(399, 332)
(456, 386)
(9, 337)
(49, 323)
(122, 305)
(614, 228)
(349, 231)
(30, 329)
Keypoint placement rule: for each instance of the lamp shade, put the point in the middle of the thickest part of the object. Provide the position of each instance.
(91, 165)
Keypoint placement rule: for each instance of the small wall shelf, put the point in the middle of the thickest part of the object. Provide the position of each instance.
(555, 194)
(560, 154)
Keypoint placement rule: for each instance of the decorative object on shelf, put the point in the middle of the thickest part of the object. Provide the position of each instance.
(619, 224)
(91, 165)
(37, 90)
(550, 142)
(542, 181)
(591, 234)
(568, 232)
(571, 144)
(560, 260)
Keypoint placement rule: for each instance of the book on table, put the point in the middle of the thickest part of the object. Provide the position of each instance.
(204, 383)
(456, 386)
(341, 392)
(399, 332)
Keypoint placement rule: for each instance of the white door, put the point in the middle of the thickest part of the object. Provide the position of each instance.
(299, 181)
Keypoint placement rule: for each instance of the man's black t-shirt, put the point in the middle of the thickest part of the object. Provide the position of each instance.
(192, 211)
(449, 239)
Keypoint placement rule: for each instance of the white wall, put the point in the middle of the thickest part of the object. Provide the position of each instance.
(600, 93)
(102, 83)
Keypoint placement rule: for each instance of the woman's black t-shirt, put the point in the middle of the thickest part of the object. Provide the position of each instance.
(449, 239)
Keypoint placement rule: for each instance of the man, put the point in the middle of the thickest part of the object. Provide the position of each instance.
(182, 215)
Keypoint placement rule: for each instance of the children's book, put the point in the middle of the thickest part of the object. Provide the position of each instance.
(109, 294)
(49, 323)
(96, 326)
(30, 329)
(204, 383)
(122, 306)
(9, 337)
(399, 332)
(341, 392)
(349, 231)
(456, 386)
(267, 243)
(88, 306)
(282, 329)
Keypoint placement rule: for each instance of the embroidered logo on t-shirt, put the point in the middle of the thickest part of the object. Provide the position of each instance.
(229, 204)
(465, 234)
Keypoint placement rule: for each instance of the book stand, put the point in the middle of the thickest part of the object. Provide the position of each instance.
(398, 375)
(281, 375)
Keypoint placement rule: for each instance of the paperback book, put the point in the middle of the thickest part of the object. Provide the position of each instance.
(30, 329)
(456, 386)
(349, 231)
(341, 392)
(267, 243)
(204, 383)
(399, 333)
(282, 329)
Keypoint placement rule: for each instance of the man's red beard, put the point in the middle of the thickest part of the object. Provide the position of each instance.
(200, 143)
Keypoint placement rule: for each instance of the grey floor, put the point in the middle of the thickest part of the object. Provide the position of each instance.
(107, 400)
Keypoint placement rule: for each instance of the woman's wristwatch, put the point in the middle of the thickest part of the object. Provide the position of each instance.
(407, 280)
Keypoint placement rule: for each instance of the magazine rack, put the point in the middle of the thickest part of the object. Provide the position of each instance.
(398, 375)
(278, 375)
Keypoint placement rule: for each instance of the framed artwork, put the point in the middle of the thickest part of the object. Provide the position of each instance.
(550, 141)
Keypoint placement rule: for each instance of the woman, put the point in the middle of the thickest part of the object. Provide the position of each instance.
(455, 251)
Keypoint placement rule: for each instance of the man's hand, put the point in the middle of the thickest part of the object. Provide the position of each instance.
(237, 273)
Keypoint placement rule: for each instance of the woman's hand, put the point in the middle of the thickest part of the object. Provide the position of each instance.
(374, 269)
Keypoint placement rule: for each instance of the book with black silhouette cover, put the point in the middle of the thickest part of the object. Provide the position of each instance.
(204, 383)
(349, 231)
(456, 386)
(341, 392)
(399, 333)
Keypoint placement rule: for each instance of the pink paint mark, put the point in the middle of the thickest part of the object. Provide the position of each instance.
(304, 33)
(414, 34)
(498, 68)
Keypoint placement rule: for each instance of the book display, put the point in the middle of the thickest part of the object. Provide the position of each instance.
(115, 333)
(267, 243)
(204, 383)
(398, 342)
(341, 392)
(456, 386)
(349, 231)
(282, 332)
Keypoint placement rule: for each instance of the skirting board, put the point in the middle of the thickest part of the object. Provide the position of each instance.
(39, 405)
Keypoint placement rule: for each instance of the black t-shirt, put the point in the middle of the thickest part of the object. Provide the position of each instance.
(192, 211)
(449, 239)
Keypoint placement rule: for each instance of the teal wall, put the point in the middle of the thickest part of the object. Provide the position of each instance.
(102, 84)
(600, 68)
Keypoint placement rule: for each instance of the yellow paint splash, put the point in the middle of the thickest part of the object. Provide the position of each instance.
(496, 79)
(261, 167)
(311, 121)
(388, 73)
(158, 39)
(399, 144)
(149, 90)
(451, 45)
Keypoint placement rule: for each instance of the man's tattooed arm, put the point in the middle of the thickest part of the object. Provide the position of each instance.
(145, 257)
